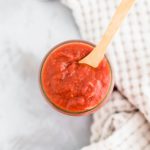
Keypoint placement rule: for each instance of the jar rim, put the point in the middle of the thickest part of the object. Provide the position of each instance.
(74, 113)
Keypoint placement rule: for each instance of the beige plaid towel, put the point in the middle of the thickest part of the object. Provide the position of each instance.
(123, 123)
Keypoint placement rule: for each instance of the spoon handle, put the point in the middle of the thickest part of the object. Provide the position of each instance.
(95, 57)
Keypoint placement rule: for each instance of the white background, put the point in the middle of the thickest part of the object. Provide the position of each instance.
(28, 29)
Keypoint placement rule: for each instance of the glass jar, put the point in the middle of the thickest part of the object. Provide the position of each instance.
(77, 113)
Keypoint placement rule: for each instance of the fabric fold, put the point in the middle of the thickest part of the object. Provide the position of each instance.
(123, 123)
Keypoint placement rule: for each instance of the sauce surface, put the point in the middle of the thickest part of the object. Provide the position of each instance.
(72, 86)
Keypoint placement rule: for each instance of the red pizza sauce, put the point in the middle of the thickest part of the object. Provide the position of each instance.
(71, 86)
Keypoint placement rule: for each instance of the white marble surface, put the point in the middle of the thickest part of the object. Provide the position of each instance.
(27, 30)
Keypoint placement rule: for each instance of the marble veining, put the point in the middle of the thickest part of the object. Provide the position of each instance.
(27, 30)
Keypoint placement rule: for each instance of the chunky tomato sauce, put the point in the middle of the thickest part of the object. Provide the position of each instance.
(72, 86)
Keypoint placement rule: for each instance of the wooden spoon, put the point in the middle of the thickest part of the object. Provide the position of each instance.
(97, 54)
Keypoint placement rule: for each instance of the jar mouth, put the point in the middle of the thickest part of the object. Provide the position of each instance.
(74, 113)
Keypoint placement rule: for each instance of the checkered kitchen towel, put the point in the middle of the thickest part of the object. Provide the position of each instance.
(123, 123)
